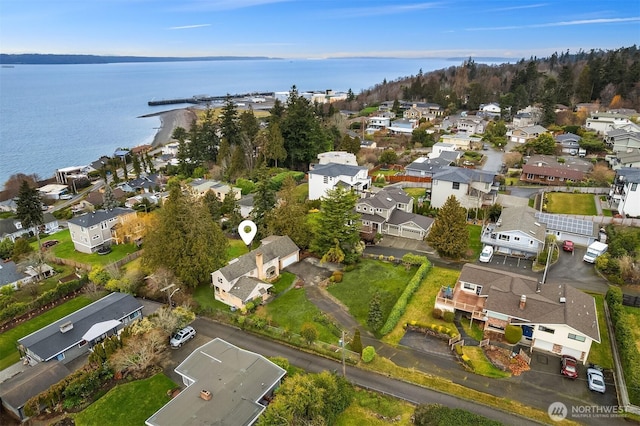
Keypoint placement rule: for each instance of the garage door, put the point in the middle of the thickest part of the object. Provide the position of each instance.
(411, 233)
(289, 261)
(570, 351)
(543, 345)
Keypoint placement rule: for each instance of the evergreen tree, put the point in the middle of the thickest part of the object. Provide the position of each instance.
(29, 209)
(109, 201)
(264, 201)
(338, 225)
(229, 127)
(375, 317)
(449, 235)
(137, 168)
(213, 204)
(356, 342)
(290, 216)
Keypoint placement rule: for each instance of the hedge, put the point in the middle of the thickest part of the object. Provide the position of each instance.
(401, 304)
(14, 310)
(629, 355)
(368, 354)
(451, 332)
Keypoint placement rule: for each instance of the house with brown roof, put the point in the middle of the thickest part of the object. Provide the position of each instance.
(555, 318)
(546, 170)
(526, 134)
(247, 278)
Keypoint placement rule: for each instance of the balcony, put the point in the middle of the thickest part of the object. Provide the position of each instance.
(462, 301)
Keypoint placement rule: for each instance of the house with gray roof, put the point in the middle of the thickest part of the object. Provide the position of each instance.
(247, 278)
(390, 212)
(516, 233)
(92, 231)
(472, 188)
(569, 143)
(625, 191)
(621, 140)
(12, 228)
(427, 167)
(526, 134)
(68, 338)
(16, 277)
(555, 318)
(324, 177)
(225, 385)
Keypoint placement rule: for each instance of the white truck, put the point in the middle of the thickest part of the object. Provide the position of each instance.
(594, 250)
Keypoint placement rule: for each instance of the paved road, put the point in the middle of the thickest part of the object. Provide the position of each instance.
(208, 329)
(493, 161)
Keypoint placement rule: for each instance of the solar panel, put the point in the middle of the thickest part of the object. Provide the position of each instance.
(566, 223)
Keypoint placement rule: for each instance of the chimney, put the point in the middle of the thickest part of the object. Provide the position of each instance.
(205, 394)
(523, 302)
(259, 265)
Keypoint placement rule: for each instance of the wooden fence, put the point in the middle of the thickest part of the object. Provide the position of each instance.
(524, 356)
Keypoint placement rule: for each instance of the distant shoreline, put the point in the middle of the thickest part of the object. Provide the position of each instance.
(169, 120)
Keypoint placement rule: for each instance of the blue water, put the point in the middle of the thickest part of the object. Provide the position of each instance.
(54, 116)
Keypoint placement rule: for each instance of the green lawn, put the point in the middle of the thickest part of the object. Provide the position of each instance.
(567, 203)
(65, 250)
(203, 294)
(371, 276)
(301, 192)
(9, 354)
(481, 365)
(283, 282)
(474, 241)
(634, 317)
(601, 352)
(369, 407)
(292, 309)
(474, 331)
(128, 404)
(236, 249)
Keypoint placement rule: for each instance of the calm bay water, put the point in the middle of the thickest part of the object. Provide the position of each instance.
(54, 116)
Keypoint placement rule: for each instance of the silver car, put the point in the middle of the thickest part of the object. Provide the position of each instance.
(595, 379)
(181, 336)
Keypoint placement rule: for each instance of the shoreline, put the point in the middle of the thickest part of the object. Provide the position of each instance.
(169, 120)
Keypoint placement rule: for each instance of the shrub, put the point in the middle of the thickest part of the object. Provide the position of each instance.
(368, 354)
(448, 316)
(246, 186)
(436, 313)
(356, 343)
(513, 334)
(337, 276)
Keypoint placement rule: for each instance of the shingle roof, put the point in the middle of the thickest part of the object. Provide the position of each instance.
(504, 289)
(245, 286)
(433, 165)
(17, 390)
(398, 217)
(49, 341)
(336, 170)
(280, 247)
(521, 219)
(463, 175)
(94, 218)
(630, 174)
(9, 273)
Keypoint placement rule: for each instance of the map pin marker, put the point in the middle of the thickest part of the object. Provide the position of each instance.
(247, 230)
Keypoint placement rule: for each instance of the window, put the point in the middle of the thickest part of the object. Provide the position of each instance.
(545, 329)
(577, 337)
(504, 237)
(634, 186)
(552, 178)
(103, 225)
(82, 343)
(325, 179)
(516, 238)
(529, 175)
(456, 185)
(468, 286)
(95, 237)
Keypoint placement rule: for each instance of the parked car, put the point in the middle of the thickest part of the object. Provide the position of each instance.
(486, 254)
(567, 245)
(595, 379)
(181, 336)
(49, 243)
(569, 367)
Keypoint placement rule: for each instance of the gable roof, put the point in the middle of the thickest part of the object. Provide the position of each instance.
(9, 273)
(432, 165)
(271, 249)
(628, 174)
(566, 137)
(398, 217)
(236, 378)
(336, 170)
(555, 170)
(533, 130)
(464, 175)
(94, 218)
(504, 290)
(244, 287)
(521, 219)
(50, 341)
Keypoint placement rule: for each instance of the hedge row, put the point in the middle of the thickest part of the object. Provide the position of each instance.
(626, 343)
(405, 297)
(16, 309)
(436, 328)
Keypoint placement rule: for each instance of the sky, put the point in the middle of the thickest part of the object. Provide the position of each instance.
(317, 28)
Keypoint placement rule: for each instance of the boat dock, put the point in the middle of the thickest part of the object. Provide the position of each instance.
(204, 99)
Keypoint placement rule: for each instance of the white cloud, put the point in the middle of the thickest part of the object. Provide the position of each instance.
(188, 27)
(389, 9)
(560, 24)
(527, 6)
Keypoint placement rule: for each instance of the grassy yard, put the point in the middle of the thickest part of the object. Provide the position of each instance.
(9, 354)
(634, 317)
(292, 309)
(203, 294)
(283, 282)
(474, 331)
(302, 192)
(65, 250)
(601, 352)
(369, 408)
(481, 365)
(371, 276)
(474, 241)
(421, 305)
(236, 248)
(415, 193)
(128, 404)
(567, 203)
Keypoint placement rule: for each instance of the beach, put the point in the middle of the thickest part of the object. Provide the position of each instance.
(169, 120)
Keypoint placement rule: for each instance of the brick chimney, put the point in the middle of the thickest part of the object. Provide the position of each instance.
(523, 302)
(259, 265)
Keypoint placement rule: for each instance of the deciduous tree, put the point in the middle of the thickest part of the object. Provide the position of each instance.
(449, 235)
(289, 217)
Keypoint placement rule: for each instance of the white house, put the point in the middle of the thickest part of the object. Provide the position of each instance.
(473, 188)
(324, 177)
(461, 141)
(516, 233)
(337, 157)
(555, 318)
(470, 125)
(12, 276)
(377, 123)
(247, 277)
(403, 126)
(491, 109)
(12, 228)
(602, 122)
(625, 194)
(427, 167)
(92, 231)
(440, 147)
(53, 191)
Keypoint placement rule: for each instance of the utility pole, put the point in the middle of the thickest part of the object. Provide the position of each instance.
(344, 367)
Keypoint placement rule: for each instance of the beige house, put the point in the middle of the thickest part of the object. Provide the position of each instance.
(92, 231)
(525, 134)
(199, 187)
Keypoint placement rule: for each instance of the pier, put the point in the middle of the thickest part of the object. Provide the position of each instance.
(204, 99)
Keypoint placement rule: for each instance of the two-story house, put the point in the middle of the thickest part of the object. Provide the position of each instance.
(470, 125)
(625, 191)
(602, 122)
(337, 157)
(472, 188)
(526, 134)
(423, 110)
(427, 167)
(569, 143)
(461, 141)
(93, 231)
(516, 233)
(247, 278)
(324, 177)
(379, 122)
(390, 212)
(403, 126)
(555, 318)
(199, 187)
(491, 110)
(12, 228)
(620, 140)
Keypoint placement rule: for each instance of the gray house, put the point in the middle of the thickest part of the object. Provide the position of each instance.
(225, 385)
(73, 335)
(91, 231)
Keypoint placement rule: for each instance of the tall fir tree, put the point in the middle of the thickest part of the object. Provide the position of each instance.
(109, 201)
(29, 209)
(449, 235)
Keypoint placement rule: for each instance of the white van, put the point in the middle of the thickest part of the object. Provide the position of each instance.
(486, 254)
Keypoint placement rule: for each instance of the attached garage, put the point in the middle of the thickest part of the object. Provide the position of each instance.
(543, 345)
(289, 260)
(572, 352)
(413, 233)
